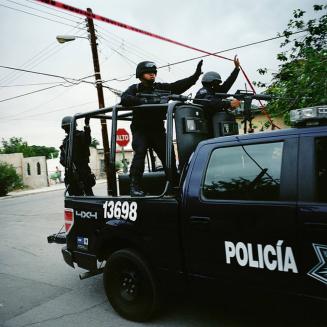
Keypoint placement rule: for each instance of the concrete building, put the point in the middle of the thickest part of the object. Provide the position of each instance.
(33, 170)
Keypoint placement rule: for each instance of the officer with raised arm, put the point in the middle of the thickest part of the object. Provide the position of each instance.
(212, 83)
(147, 128)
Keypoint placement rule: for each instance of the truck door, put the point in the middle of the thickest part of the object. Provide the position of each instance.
(312, 210)
(240, 213)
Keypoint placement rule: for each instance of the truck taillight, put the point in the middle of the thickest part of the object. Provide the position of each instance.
(69, 219)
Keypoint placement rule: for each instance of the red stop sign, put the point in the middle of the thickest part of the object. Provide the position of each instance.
(122, 137)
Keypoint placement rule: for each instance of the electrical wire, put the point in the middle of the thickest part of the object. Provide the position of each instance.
(32, 92)
(121, 79)
(37, 59)
(30, 84)
(230, 49)
(131, 48)
(67, 79)
(51, 8)
(76, 82)
(41, 105)
(26, 12)
(41, 11)
(49, 112)
(119, 53)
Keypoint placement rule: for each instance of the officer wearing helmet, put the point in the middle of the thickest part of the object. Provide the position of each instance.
(212, 83)
(148, 127)
(81, 180)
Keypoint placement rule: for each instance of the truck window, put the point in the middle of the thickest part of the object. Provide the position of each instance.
(249, 172)
(321, 169)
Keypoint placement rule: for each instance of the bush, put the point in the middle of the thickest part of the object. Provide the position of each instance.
(9, 179)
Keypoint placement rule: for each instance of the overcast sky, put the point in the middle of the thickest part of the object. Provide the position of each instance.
(28, 41)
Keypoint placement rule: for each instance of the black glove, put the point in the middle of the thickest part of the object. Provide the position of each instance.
(198, 71)
(87, 121)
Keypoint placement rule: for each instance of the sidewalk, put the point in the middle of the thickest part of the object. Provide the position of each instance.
(54, 187)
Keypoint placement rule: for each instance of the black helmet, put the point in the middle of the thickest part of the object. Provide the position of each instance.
(209, 77)
(145, 67)
(65, 123)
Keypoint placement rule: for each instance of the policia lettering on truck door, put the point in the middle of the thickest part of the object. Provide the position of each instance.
(148, 127)
(81, 179)
(212, 83)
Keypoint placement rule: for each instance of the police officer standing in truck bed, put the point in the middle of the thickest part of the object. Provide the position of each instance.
(148, 128)
(212, 83)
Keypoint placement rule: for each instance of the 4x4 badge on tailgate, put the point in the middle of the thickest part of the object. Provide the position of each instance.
(320, 270)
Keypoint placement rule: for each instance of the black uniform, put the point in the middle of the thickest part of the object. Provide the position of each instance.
(81, 180)
(148, 125)
(215, 103)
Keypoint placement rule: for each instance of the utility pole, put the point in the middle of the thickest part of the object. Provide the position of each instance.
(98, 83)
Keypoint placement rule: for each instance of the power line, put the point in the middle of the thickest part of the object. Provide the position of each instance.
(42, 105)
(26, 12)
(207, 55)
(30, 84)
(67, 79)
(36, 91)
(49, 112)
(116, 51)
(37, 59)
(44, 12)
(131, 48)
(31, 63)
(47, 88)
(53, 9)
(230, 49)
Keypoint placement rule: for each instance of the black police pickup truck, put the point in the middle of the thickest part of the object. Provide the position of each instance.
(249, 209)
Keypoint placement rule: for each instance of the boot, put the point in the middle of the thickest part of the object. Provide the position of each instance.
(135, 187)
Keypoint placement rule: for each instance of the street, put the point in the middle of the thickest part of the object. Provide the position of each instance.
(38, 289)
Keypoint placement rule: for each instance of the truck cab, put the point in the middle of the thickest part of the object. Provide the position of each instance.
(249, 210)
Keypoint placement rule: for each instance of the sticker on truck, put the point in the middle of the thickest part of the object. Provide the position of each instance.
(319, 272)
(120, 210)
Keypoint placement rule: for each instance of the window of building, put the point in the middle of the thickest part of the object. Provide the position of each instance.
(321, 169)
(28, 169)
(38, 168)
(249, 172)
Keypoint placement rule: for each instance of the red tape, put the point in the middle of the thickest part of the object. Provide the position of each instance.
(85, 13)
(122, 25)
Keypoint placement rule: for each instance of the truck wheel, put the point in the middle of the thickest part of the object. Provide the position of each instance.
(130, 285)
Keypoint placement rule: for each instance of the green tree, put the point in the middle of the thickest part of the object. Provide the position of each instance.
(17, 145)
(94, 143)
(9, 179)
(301, 79)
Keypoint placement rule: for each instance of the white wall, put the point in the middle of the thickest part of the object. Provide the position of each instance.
(33, 177)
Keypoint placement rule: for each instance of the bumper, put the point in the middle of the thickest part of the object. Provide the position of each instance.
(83, 260)
(68, 257)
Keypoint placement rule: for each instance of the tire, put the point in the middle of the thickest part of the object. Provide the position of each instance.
(130, 285)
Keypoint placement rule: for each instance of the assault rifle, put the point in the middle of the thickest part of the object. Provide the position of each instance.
(162, 97)
(247, 97)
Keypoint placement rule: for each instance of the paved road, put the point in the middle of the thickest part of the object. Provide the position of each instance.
(38, 289)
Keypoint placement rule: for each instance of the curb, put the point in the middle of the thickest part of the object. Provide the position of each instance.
(60, 187)
(17, 194)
